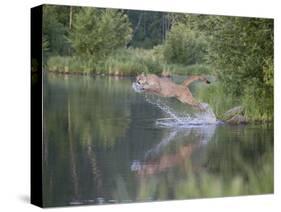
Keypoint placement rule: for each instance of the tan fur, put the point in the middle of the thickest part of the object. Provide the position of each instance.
(167, 88)
(167, 161)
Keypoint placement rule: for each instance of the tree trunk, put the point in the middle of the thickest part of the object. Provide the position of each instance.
(70, 17)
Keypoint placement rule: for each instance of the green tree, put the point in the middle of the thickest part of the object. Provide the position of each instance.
(241, 50)
(54, 31)
(184, 45)
(97, 32)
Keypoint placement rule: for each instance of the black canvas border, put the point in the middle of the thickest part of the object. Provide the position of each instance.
(36, 190)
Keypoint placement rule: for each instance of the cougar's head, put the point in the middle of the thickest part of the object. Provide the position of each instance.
(141, 80)
(138, 85)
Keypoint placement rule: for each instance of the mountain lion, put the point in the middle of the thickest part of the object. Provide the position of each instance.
(167, 88)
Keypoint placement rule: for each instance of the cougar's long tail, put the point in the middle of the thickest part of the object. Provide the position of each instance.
(195, 78)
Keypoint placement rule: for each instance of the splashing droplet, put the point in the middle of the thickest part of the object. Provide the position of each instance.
(182, 120)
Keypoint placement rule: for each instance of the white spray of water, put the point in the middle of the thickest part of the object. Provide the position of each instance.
(182, 120)
(136, 88)
(164, 107)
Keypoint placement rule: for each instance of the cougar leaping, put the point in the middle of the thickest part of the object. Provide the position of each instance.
(167, 88)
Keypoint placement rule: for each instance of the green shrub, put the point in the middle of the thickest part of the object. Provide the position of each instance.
(184, 46)
(132, 61)
(258, 102)
(70, 64)
(97, 32)
(216, 96)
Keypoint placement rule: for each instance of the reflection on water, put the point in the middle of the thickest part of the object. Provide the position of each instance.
(102, 145)
(173, 150)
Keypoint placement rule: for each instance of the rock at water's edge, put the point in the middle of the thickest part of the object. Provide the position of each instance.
(232, 112)
(235, 116)
(237, 119)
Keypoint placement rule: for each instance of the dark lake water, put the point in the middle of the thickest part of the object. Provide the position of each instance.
(102, 145)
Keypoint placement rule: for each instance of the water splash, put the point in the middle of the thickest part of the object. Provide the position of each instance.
(164, 107)
(182, 120)
(137, 88)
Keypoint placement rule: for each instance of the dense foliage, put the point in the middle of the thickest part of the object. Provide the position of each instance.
(96, 32)
(54, 33)
(184, 46)
(241, 51)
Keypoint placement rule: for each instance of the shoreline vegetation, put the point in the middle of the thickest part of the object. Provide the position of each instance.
(124, 62)
(236, 51)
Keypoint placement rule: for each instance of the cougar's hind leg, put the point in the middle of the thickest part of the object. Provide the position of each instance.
(191, 101)
(194, 103)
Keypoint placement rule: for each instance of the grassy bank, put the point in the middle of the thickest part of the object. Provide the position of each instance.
(260, 110)
(123, 62)
(215, 95)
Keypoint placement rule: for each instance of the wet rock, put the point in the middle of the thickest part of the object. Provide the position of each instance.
(235, 116)
(237, 119)
(232, 112)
